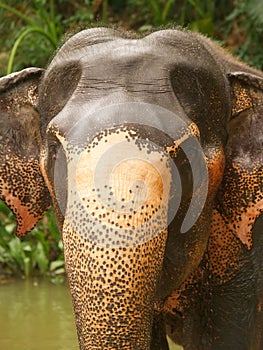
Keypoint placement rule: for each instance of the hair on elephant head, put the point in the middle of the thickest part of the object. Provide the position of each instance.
(151, 152)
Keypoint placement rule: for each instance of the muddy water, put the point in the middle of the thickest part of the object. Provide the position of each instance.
(36, 316)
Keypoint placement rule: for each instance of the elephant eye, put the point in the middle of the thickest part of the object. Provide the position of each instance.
(195, 154)
(53, 149)
(224, 135)
(192, 153)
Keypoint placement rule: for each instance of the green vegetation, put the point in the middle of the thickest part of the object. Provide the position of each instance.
(40, 253)
(44, 23)
(246, 21)
(31, 31)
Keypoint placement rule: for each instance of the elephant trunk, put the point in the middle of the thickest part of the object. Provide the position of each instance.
(113, 292)
(114, 235)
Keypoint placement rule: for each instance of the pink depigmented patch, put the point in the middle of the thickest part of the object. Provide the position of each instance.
(25, 220)
(244, 228)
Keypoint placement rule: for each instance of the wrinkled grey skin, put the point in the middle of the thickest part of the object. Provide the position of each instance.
(112, 110)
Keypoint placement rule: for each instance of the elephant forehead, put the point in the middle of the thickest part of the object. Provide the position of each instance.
(162, 47)
(173, 70)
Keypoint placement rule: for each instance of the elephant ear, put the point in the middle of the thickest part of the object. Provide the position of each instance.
(22, 187)
(241, 193)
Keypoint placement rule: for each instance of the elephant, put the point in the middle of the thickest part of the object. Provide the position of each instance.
(150, 150)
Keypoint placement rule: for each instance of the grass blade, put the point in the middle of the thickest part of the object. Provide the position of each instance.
(20, 39)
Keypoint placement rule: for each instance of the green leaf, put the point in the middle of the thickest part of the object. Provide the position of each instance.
(16, 250)
(54, 265)
(41, 258)
(3, 208)
(27, 266)
(10, 228)
(204, 26)
(27, 247)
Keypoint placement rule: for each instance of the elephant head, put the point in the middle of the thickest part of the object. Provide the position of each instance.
(131, 138)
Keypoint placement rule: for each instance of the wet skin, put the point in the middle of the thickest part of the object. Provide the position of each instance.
(115, 122)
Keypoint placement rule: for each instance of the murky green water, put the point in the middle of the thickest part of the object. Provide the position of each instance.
(36, 316)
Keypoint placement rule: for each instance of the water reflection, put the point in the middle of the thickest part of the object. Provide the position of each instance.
(36, 316)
